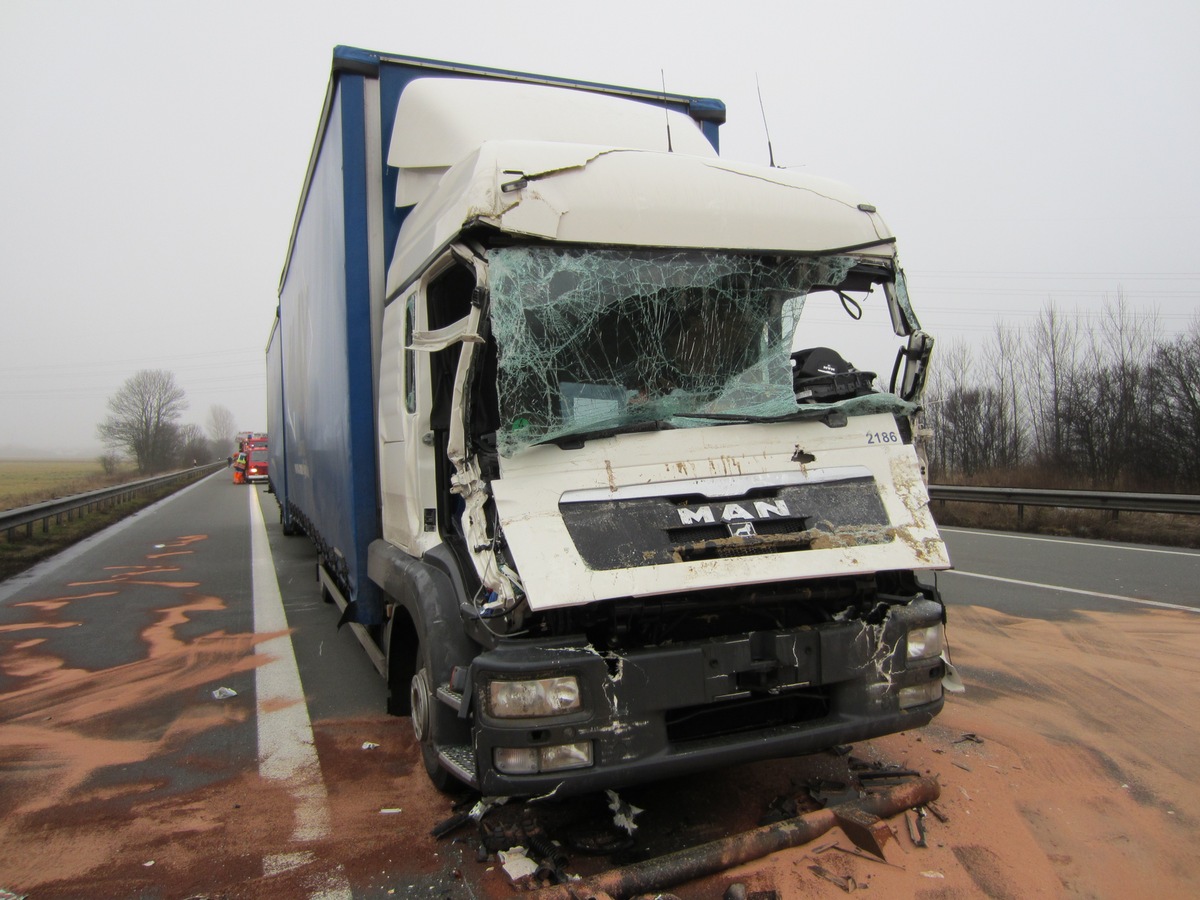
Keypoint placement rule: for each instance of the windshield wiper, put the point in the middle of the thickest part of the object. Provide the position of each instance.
(834, 418)
(577, 439)
(744, 418)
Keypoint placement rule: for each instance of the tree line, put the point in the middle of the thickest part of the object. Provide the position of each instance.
(1105, 404)
(143, 425)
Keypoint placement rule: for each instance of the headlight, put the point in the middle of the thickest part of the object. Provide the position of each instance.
(531, 760)
(920, 694)
(926, 643)
(531, 699)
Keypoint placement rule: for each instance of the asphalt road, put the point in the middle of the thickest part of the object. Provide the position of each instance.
(131, 632)
(1051, 578)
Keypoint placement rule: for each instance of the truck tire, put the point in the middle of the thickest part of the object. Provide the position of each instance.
(426, 711)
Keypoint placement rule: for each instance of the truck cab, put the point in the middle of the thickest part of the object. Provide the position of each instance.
(652, 493)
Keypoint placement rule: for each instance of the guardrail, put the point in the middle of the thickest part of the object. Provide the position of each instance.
(27, 516)
(1115, 501)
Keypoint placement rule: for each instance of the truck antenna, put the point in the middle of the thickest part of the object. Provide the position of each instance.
(763, 110)
(666, 111)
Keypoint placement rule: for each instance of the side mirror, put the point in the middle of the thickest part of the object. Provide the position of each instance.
(911, 367)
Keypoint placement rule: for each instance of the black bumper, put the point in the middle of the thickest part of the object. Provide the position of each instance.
(676, 709)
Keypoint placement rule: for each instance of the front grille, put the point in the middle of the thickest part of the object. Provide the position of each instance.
(650, 530)
(696, 723)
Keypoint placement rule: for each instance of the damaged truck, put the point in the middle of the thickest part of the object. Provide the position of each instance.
(585, 422)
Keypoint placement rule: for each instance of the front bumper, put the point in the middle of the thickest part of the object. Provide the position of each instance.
(674, 709)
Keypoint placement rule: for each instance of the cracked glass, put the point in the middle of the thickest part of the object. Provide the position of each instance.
(593, 340)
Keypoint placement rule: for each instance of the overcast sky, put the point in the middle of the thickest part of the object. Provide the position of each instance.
(152, 154)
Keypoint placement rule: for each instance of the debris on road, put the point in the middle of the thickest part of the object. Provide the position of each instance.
(224, 693)
(623, 813)
(854, 851)
(861, 820)
(970, 736)
(915, 819)
(937, 812)
(516, 863)
(370, 745)
(847, 884)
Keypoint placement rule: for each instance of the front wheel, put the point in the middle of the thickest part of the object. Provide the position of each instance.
(425, 713)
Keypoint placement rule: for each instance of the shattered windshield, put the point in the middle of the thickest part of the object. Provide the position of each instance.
(606, 340)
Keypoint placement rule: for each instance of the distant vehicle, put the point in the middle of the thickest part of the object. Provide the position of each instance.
(247, 440)
(256, 463)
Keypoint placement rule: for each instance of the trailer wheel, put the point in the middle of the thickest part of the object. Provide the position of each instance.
(425, 713)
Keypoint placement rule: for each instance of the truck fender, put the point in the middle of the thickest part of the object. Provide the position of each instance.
(427, 616)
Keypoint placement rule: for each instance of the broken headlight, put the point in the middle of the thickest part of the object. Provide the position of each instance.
(926, 643)
(531, 760)
(920, 694)
(532, 699)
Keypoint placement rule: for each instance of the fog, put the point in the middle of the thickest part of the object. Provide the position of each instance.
(152, 155)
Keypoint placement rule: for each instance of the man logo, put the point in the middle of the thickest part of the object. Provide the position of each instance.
(733, 512)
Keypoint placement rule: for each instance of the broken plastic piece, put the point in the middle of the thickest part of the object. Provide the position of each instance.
(224, 693)
(516, 863)
(623, 813)
(485, 804)
(370, 745)
(446, 826)
(390, 811)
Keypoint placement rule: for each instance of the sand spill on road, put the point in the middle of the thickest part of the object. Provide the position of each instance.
(1078, 781)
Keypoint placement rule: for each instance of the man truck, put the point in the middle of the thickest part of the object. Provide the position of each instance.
(575, 414)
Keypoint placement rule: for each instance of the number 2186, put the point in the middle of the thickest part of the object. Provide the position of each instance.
(882, 437)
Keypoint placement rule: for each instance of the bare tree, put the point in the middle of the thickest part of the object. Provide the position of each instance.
(141, 419)
(1004, 420)
(1177, 366)
(1051, 363)
(222, 428)
(946, 414)
(194, 447)
(1111, 409)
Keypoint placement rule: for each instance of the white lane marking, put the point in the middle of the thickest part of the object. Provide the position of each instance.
(1055, 587)
(286, 751)
(1106, 545)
